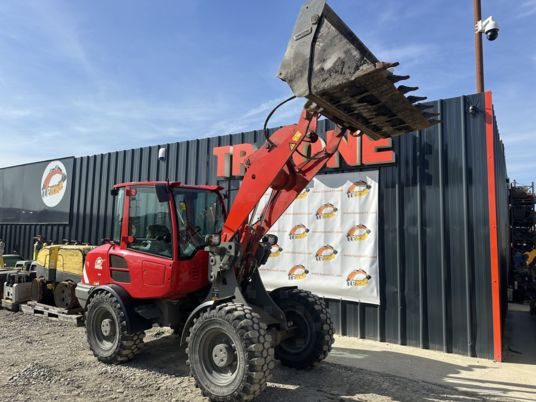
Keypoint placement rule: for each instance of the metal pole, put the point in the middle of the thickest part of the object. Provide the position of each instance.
(478, 49)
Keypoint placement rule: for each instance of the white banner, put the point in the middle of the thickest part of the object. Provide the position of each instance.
(328, 239)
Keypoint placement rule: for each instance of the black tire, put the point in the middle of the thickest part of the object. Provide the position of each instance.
(230, 353)
(40, 291)
(314, 337)
(64, 295)
(106, 330)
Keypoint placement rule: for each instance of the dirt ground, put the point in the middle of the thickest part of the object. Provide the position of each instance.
(47, 360)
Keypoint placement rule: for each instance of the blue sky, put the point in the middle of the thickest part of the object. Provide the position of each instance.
(85, 77)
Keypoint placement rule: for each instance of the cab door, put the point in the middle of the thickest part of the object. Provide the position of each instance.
(142, 261)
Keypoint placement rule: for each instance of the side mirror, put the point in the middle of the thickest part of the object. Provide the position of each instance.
(162, 192)
(114, 192)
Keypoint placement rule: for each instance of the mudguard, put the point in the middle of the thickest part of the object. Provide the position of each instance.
(135, 322)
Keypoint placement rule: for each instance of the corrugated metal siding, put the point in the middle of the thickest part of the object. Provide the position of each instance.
(434, 230)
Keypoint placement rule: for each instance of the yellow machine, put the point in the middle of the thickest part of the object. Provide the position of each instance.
(58, 269)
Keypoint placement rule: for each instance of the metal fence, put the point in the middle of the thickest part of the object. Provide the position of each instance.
(434, 241)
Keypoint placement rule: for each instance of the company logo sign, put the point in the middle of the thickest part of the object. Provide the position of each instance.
(297, 273)
(357, 278)
(357, 232)
(326, 211)
(353, 151)
(358, 189)
(275, 251)
(298, 232)
(53, 183)
(326, 253)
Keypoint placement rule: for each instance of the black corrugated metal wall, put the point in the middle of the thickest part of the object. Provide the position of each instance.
(434, 227)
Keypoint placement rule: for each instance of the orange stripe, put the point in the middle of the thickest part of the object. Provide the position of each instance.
(493, 242)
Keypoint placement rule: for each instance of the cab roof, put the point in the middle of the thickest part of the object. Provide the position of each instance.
(170, 184)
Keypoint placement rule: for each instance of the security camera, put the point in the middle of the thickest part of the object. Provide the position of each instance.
(489, 26)
(162, 154)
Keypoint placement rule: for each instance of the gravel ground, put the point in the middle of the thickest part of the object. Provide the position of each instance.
(48, 360)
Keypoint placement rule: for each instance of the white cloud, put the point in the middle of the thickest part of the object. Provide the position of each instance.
(527, 8)
(518, 137)
(407, 55)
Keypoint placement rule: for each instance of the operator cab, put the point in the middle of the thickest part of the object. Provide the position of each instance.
(159, 236)
(153, 208)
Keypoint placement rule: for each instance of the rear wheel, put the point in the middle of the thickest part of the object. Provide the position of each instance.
(313, 336)
(106, 330)
(40, 291)
(64, 295)
(230, 353)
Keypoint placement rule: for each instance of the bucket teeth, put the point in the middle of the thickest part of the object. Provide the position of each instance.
(395, 78)
(414, 99)
(387, 64)
(403, 89)
(433, 121)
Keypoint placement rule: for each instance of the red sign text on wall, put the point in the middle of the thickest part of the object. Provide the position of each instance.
(353, 151)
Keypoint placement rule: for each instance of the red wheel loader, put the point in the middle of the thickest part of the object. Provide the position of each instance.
(178, 259)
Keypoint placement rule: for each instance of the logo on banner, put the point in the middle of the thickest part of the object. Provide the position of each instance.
(326, 253)
(303, 194)
(275, 251)
(298, 232)
(358, 277)
(357, 232)
(53, 183)
(358, 189)
(297, 273)
(326, 211)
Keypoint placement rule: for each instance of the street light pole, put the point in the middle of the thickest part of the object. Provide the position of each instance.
(479, 58)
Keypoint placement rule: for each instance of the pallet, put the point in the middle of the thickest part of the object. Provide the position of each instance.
(73, 316)
(10, 305)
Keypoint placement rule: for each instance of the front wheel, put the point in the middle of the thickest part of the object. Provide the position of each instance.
(230, 353)
(312, 328)
(106, 330)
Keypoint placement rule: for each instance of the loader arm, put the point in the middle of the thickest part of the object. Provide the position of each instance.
(342, 80)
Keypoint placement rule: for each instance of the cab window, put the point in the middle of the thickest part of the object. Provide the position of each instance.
(149, 223)
(118, 216)
(199, 213)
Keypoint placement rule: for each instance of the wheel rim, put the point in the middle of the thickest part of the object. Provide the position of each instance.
(104, 328)
(218, 357)
(302, 338)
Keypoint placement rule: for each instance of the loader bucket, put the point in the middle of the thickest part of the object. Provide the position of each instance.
(326, 63)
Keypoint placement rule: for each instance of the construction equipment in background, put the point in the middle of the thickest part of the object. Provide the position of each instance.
(39, 243)
(58, 268)
(17, 285)
(176, 260)
(522, 275)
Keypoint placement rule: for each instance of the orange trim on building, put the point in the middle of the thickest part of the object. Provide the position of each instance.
(493, 236)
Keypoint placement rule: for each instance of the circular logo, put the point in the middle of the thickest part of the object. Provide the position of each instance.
(358, 189)
(53, 183)
(326, 211)
(357, 232)
(326, 253)
(298, 232)
(297, 273)
(358, 277)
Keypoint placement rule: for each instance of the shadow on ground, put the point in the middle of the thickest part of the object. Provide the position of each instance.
(326, 382)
